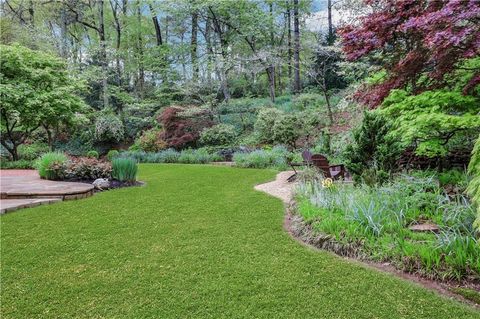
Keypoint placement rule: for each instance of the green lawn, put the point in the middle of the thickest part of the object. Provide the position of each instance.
(196, 242)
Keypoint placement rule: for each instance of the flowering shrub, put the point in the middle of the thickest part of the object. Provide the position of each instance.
(108, 127)
(151, 141)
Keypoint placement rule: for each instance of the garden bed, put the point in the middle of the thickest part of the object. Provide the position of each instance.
(387, 225)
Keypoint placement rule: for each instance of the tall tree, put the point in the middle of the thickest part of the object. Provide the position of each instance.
(296, 49)
(98, 26)
(156, 24)
(289, 39)
(330, 36)
(116, 9)
(141, 68)
(193, 45)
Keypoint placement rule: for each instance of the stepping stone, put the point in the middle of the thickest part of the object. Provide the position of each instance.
(427, 227)
(9, 205)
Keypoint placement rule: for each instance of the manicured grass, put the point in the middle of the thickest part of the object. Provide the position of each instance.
(195, 242)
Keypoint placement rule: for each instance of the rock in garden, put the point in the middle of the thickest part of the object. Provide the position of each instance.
(424, 228)
(101, 183)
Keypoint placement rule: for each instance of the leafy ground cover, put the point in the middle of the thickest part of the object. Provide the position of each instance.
(196, 241)
(373, 222)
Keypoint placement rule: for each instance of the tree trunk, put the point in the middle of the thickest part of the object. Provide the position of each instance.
(63, 32)
(271, 68)
(13, 149)
(224, 56)
(327, 100)
(289, 40)
(141, 70)
(296, 49)
(208, 42)
(271, 82)
(279, 79)
(156, 24)
(103, 53)
(330, 38)
(193, 46)
(31, 12)
(167, 20)
(118, 31)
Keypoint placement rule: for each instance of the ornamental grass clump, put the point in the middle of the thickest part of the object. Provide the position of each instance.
(51, 165)
(124, 169)
(274, 158)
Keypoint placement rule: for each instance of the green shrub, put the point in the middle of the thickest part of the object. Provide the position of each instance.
(306, 100)
(372, 147)
(51, 165)
(218, 135)
(287, 129)
(124, 169)
(264, 125)
(112, 154)
(92, 154)
(452, 177)
(150, 141)
(435, 122)
(20, 164)
(32, 151)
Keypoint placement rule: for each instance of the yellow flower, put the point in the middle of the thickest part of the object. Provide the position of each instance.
(327, 183)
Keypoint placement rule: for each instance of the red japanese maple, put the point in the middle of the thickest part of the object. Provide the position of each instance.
(413, 38)
(179, 131)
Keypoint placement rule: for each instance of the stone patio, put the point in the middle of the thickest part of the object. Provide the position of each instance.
(24, 188)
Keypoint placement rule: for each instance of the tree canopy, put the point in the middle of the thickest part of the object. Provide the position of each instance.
(36, 92)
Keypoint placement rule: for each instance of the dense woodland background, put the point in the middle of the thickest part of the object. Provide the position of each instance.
(134, 58)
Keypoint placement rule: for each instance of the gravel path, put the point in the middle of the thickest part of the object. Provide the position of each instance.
(280, 187)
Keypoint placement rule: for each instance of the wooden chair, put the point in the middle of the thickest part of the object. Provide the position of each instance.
(329, 171)
(307, 161)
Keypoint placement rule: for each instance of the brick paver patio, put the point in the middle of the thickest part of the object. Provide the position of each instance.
(24, 188)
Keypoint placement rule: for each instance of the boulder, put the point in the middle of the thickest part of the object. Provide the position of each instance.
(101, 183)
